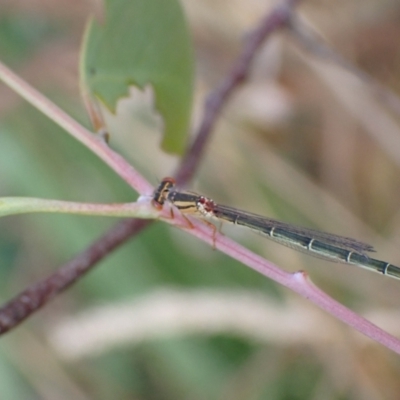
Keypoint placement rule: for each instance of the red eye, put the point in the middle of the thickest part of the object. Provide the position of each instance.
(169, 181)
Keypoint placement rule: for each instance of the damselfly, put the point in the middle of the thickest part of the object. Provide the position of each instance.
(319, 244)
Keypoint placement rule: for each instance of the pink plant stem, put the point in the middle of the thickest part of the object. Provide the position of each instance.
(298, 282)
(90, 140)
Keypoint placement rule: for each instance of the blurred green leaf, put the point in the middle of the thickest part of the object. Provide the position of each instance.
(21, 34)
(143, 42)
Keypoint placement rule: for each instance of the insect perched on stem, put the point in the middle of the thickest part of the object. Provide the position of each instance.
(316, 243)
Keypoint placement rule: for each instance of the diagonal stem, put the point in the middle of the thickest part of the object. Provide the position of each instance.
(36, 296)
(39, 294)
(279, 17)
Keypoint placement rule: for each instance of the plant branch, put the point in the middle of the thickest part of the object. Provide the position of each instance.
(36, 296)
(91, 141)
(30, 300)
(39, 294)
(298, 282)
(279, 17)
(21, 205)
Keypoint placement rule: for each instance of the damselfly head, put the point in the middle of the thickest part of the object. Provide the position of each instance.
(161, 193)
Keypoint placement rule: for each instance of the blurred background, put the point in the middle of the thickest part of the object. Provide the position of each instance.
(165, 316)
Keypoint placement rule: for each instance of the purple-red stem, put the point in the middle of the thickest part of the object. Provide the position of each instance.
(34, 297)
(279, 17)
(37, 295)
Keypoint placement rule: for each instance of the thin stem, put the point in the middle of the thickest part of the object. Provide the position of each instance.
(279, 17)
(39, 294)
(21, 205)
(91, 141)
(36, 296)
(298, 282)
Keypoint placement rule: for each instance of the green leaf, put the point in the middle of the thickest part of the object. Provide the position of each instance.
(143, 42)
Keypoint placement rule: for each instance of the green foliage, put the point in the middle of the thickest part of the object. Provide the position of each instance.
(143, 42)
